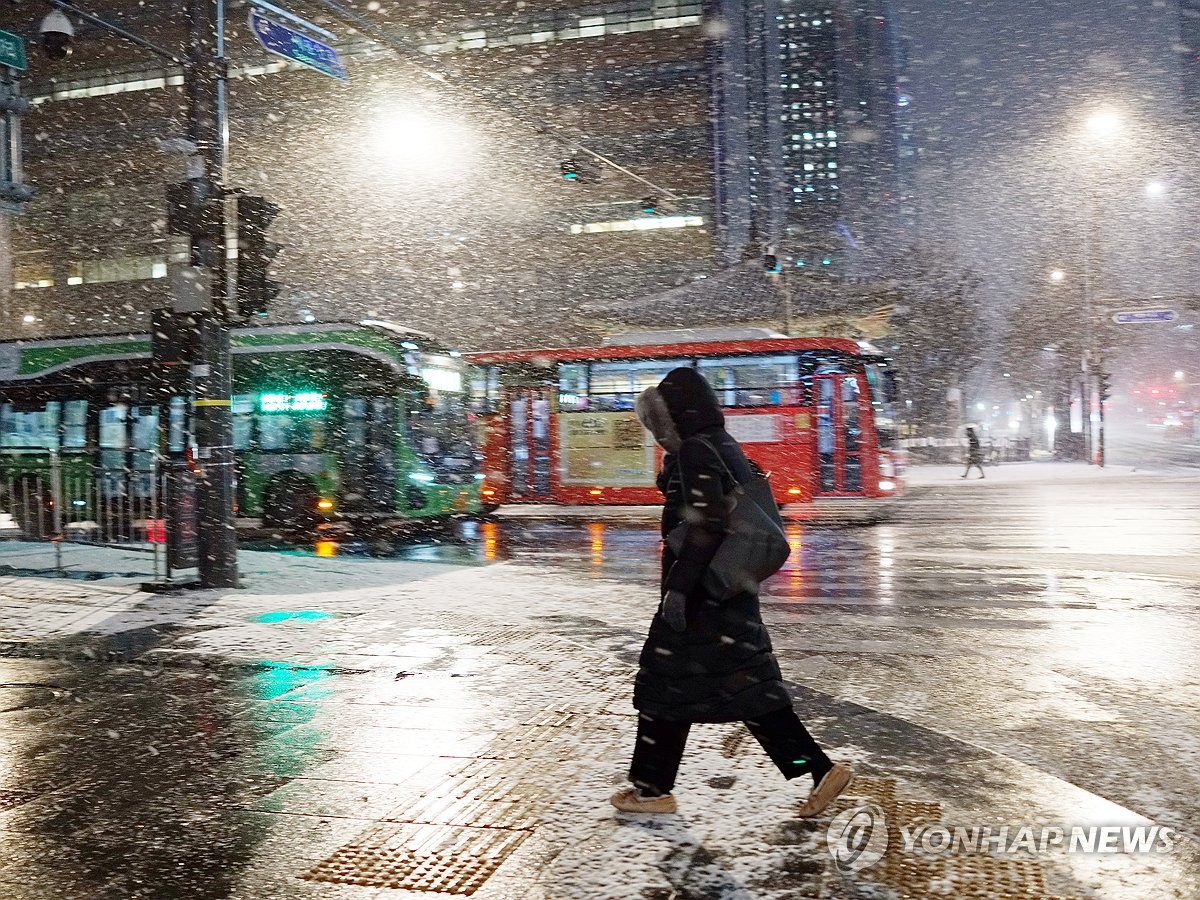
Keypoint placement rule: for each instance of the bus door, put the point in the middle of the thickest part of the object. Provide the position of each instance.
(529, 443)
(369, 470)
(838, 435)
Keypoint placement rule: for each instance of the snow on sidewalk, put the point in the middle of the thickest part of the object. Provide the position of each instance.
(471, 721)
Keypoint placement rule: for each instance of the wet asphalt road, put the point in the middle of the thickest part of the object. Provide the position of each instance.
(1053, 624)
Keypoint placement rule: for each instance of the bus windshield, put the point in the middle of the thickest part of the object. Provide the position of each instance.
(885, 400)
(438, 422)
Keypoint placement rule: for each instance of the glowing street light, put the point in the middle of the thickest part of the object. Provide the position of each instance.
(1058, 276)
(1104, 124)
(1155, 189)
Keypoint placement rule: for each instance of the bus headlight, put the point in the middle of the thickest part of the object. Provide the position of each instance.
(887, 469)
(886, 485)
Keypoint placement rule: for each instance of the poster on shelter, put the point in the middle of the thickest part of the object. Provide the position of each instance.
(605, 449)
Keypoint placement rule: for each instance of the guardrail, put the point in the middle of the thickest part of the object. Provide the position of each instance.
(926, 450)
(47, 497)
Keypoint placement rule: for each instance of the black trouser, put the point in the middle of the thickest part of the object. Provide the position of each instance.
(660, 743)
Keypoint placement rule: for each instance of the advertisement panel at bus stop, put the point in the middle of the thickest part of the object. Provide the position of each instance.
(605, 449)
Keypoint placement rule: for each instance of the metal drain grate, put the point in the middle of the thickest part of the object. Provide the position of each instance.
(979, 876)
(434, 858)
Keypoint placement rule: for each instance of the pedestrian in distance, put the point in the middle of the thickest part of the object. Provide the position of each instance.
(707, 660)
(974, 452)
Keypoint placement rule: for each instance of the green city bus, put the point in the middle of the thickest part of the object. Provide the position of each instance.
(333, 420)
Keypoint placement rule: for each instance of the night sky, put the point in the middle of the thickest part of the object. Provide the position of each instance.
(1002, 92)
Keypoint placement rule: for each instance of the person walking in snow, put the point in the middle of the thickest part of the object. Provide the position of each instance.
(707, 660)
(974, 452)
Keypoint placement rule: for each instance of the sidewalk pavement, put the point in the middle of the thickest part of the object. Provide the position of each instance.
(420, 730)
(1022, 473)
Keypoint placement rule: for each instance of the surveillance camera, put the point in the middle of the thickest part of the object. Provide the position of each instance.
(57, 32)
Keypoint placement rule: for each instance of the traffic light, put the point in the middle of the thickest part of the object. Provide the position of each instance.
(1104, 385)
(255, 289)
(650, 205)
(190, 213)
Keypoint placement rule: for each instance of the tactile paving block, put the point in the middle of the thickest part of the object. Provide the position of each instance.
(514, 815)
(9, 799)
(487, 779)
(963, 876)
(502, 637)
(434, 858)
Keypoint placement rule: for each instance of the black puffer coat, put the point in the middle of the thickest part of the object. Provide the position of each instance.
(721, 668)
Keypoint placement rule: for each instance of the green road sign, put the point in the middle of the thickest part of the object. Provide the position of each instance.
(12, 51)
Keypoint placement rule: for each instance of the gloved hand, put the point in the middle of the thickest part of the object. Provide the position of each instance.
(673, 606)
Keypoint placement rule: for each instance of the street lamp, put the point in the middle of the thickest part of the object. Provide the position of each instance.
(1058, 276)
(1155, 189)
(1104, 124)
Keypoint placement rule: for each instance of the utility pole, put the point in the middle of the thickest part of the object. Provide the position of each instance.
(204, 69)
(212, 370)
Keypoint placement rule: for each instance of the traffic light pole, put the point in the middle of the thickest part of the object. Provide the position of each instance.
(212, 370)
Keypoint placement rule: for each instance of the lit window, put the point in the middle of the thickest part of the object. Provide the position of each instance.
(32, 271)
(593, 26)
(654, 223)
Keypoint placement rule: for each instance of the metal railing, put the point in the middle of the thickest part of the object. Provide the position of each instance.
(46, 496)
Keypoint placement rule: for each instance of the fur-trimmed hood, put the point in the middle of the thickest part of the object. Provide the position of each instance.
(681, 405)
(654, 415)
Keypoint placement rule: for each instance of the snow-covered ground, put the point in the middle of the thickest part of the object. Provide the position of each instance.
(423, 685)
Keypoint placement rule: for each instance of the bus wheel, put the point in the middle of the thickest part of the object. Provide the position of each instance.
(28, 502)
(290, 501)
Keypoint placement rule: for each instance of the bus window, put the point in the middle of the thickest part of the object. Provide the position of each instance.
(243, 420)
(29, 428)
(753, 380)
(145, 428)
(485, 390)
(285, 433)
(615, 385)
(851, 436)
(368, 454)
(75, 424)
(440, 431)
(573, 387)
(885, 401)
(177, 425)
(114, 434)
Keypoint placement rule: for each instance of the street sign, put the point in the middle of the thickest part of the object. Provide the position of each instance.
(296, 46)
(12, 51)
(1144, 316)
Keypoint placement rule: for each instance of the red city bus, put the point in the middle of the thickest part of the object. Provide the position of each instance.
(819, 414)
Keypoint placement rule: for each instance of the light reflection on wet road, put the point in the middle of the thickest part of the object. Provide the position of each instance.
(1026, 632)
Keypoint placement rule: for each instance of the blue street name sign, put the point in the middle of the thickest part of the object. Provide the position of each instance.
(296, 46)
(12, 51)
(1144, 316)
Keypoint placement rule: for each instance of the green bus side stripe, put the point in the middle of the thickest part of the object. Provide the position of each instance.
(34, 359)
